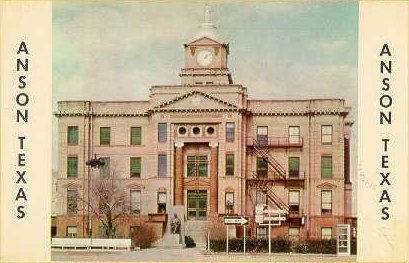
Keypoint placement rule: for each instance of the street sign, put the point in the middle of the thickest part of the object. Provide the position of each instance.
(274, 211)
(236, 220)
(275, 218)
(259, 209)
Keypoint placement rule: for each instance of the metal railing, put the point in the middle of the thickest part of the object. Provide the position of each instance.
(275, 176)
(264, 141)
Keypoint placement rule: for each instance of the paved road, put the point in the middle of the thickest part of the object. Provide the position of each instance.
(186, 255)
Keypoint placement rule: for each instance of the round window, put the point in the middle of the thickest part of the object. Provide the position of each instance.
(210, 130)
(196, 130)
(182, 130)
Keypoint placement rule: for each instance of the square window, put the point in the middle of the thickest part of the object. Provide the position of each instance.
(262, 135)
(105, 135)
(136, 135)
(261, 232)
(72, 135)
(262, 167)
(161, 202)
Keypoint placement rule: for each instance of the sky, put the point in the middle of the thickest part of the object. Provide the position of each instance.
(117, 50)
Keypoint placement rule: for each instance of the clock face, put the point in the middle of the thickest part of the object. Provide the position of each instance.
(205, 58)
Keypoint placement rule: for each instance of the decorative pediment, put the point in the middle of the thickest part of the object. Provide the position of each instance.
(135, 186)
(326, 185)
(204, 40)
(196, 182)
(195, 100)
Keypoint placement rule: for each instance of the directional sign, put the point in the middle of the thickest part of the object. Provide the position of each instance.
(274, 211)
(236, 220)
(275, 218)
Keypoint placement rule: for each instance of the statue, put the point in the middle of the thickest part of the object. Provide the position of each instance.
(175, 224)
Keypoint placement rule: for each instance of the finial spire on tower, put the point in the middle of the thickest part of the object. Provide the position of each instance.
(207, 24)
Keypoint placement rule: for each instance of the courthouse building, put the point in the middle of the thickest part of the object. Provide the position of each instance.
(205, 147)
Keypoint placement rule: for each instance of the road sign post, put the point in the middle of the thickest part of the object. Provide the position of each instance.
(237, 221)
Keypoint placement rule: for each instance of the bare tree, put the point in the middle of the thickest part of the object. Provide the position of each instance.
(108, 203)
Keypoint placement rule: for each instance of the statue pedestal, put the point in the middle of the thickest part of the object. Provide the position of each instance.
(179, 211)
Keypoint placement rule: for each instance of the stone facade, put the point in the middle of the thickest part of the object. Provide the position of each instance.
(205, 146)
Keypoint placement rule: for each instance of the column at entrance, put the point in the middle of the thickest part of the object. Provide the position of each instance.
(214, 183)
(179, 174)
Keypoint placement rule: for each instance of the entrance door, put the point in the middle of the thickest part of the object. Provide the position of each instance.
(197, 205)
(343, 239)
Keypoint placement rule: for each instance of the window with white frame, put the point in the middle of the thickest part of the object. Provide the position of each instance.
(294, 134)
(230, 130)
(326, 134)
(294, 202)
(135, 200)
(262, 135)
(161, 202)
(326, 202)
(162, 165)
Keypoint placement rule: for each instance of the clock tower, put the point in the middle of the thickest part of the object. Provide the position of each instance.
(206, 57)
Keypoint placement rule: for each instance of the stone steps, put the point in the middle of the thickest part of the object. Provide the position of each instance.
(197, 229)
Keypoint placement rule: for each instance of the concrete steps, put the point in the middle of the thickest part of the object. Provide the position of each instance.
(197, 229)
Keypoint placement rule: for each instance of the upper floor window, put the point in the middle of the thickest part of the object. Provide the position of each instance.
(262, 167)
(105, 135)
(262, 135)
(293, 166)
(294, 134)
(229, 203)
(326, 202)
(72, 201)
(261, 197)
(72, 135)
(294, 202)
(136, 135)
(161, 202)
(135, 201)
(72, 166)
(104, 170)
(230, 164)
(326, 134)
(230, 131)
(162, 164)
(326, 166)
(135, 167)
(197, 165)
(162, 132)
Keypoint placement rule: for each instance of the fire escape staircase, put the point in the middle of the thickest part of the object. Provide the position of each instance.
(263, 183)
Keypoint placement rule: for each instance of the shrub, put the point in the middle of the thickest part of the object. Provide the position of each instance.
(143, 237)
(278, 245)
(189, 242)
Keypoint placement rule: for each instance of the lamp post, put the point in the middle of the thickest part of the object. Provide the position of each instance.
(93, 163)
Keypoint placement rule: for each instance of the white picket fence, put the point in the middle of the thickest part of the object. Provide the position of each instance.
(91, 243)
